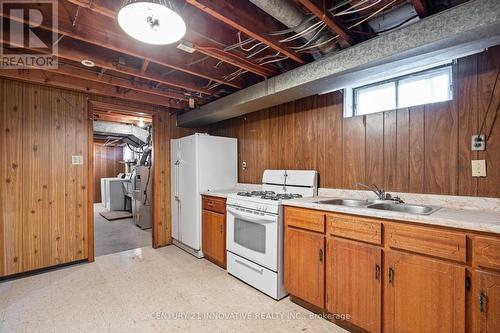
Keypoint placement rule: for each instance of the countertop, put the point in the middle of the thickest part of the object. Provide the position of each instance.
(220, 193)
(483, 221)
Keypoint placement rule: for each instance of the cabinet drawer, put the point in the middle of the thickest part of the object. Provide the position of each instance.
(352, 227)
(486, 252)
(214, 204)
(305, 219)
(438, 243)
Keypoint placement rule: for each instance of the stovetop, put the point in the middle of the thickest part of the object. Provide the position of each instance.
(269, 195)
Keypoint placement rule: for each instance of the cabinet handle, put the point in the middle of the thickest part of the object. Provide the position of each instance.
(210, 204)
(321, 255)
(482, 301)
(377, 272)
(391, 275)
(221, 228)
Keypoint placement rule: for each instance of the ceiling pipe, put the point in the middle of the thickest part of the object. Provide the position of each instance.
(291, 16)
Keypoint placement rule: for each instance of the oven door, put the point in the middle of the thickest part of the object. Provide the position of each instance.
(253, 235)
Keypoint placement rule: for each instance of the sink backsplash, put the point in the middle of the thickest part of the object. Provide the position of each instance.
(449, 201)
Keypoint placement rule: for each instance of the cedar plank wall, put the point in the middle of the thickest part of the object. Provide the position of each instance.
(424, 149)
(106, 164)
(43, 198)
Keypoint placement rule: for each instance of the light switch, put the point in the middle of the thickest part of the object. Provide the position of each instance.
(77, 160)
(478, 168)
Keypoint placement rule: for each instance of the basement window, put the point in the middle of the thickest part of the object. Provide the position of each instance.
(430, 86)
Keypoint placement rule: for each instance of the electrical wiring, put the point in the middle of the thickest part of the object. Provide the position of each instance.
(312, 39)
(398, 25)
(320, 44)
(257, 52)
(313, 27)
(341, 4)
(293, 29)
(234, 46)
(249, 49)
(372, 15)
(268, 56)
(274, 60)
(350, 11)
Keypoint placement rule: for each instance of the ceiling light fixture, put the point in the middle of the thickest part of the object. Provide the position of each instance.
(153, 22)
(88, 63)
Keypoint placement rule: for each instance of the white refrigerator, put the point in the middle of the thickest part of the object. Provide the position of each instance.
(199, 163)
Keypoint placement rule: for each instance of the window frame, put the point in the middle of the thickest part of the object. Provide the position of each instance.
(350, 96)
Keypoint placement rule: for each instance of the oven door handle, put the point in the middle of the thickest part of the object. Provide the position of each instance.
(259, 219)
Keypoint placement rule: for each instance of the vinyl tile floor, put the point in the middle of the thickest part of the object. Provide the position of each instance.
(118, 235)
(147, 290)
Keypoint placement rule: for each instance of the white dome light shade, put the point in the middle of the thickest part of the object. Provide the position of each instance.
(151, 23)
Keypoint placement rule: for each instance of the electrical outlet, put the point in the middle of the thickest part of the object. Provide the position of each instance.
(478, 168)
(478, 142)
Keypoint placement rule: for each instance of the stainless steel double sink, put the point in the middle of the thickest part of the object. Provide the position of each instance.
(388, 205)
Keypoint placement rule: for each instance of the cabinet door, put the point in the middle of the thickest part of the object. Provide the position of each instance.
(353, 282)
(423, 295)
(486, 302)
(304, 265)
(214, 236)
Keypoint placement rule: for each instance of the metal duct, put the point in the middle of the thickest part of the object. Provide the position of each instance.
(291, 16)
(463, 29)
(130, 134)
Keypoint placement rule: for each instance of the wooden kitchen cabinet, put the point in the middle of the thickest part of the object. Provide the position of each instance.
(486, 302)
(214, 230)
(423, 295)
(304, 265)
(353, 282)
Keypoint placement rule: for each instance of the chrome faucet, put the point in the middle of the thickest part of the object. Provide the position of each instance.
(380, 192)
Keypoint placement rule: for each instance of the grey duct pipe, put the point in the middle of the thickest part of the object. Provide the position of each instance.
(291, 16)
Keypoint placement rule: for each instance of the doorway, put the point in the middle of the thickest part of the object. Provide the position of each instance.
(121, 178)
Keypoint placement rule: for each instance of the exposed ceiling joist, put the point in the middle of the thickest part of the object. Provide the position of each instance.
(123, 109)
(109, 40)
(334, 24)
(119, 118)
(68, 82)
(71, 51)
(117, 82)
(237, 61)
(239, 17)
(203, 46)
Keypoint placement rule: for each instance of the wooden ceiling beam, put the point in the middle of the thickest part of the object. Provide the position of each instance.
(117, 41)
(90, 87)
(70, 51)
(192, 37)
(334, 24)
(124, 109)
(119, 118)
(117, 82)
(240, 16)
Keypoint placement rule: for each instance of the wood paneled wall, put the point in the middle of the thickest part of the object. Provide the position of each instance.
(423, 149)
(108, 162)
(44, 199)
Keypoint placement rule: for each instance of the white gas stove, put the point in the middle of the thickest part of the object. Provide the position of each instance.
(255, 228)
